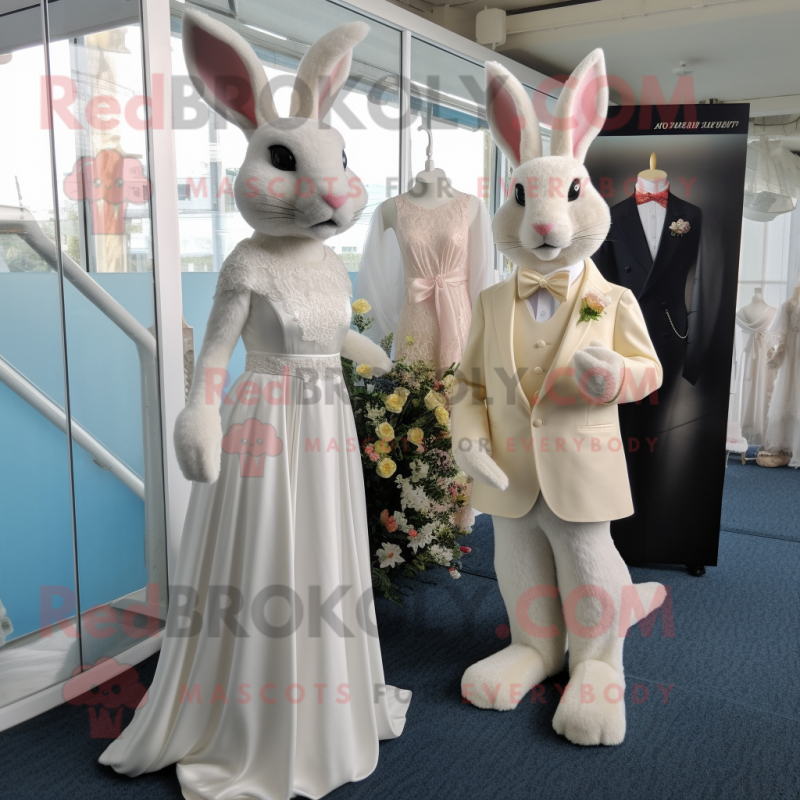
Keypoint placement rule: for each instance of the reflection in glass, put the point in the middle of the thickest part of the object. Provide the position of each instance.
(99, 130)
(38, 594)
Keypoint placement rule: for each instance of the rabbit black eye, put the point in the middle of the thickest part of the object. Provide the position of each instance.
(574, 190)
(519, 194)
(283, 158)
(344, 160)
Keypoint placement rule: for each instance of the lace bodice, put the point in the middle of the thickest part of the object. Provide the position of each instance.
(296, 307)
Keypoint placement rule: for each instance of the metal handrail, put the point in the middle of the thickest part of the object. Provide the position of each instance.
(53, 412)
(21, 222)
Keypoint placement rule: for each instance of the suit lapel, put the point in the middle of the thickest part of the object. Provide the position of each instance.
(633, 234)
(576, 331)
(503, 302)
(668, 244)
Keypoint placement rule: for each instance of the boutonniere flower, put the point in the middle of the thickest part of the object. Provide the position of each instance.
(680, 227)
(593, 306)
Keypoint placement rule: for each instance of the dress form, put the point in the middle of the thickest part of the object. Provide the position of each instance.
(432, 189)
(755, 309)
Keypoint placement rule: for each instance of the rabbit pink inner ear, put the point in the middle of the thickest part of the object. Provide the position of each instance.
(328, 87)
(224, 73)
(507, 119)
(587, 118)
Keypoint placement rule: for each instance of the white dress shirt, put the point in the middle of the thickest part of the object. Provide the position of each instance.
(542, 304)
(651, 214)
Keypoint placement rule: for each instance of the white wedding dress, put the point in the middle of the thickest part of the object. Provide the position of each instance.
(283, 694)
(754, 376)
(783, 418)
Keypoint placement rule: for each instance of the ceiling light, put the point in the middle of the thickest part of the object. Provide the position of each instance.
(682, 69)
(264, 30)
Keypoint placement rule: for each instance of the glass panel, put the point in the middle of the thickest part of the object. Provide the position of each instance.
(447, 95)
(37, 559)
(209, 151)
(102, 181)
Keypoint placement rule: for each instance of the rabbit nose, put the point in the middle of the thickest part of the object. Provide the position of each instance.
(335, 200)
(543, 230)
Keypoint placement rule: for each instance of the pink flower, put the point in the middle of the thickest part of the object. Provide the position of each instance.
(388, 521)
(373, 456)
(412, 534)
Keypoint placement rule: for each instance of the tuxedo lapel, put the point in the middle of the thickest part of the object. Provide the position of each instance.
(503, 302)
(632, 233)
(668, 245)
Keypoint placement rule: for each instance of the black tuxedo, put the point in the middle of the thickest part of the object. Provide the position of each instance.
(664, 433)
(660, 285)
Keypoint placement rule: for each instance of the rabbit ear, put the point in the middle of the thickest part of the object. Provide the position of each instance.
(324, 69)
(512, 120)
(581, 108)
(226, 72)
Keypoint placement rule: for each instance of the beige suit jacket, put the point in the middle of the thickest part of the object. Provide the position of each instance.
(566, 446)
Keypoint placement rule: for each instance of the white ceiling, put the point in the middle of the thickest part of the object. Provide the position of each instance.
(739, 49)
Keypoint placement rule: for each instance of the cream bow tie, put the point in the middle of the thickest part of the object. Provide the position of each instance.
(529, 281)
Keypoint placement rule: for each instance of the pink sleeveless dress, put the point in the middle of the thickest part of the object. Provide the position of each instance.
(436, 313)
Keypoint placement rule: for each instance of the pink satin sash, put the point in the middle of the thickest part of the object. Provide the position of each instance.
(421, 289)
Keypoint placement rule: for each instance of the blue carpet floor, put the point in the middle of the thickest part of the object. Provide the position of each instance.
(729, 728)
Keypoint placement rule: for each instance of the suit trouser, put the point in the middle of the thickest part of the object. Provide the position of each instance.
(562, 584)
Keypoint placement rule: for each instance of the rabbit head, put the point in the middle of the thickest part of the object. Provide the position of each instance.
(294, 180)
(553, 216)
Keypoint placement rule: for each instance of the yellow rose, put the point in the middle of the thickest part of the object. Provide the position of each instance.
(433, 400)
(448, 381)
(442, 417)
(361, 306)
(385, 431)
(402, 392)
(382, 447)
(386, 468)
(395, 403)
(364, 370)
(416, 435)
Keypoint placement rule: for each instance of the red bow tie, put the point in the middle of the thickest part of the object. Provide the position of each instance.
(646, 197)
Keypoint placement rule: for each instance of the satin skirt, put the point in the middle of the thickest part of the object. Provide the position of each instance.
(270, 682)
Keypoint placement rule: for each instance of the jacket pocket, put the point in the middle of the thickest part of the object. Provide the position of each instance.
(600, 427)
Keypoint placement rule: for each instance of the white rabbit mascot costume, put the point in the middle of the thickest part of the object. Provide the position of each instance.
(551, 352)
(270, 682)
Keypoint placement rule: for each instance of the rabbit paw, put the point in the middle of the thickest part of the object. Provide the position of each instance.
(606, 370)
(592, 709)
(198, 443)
(502, 680)
(474, 458)
(361, 350)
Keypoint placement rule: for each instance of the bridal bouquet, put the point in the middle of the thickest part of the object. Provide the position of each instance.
(417, 498)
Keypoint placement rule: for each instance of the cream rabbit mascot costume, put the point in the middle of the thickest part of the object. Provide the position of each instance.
(551, 352)
(270, 682)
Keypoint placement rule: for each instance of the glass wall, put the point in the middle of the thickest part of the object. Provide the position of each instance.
(447, 97)
(83, 564)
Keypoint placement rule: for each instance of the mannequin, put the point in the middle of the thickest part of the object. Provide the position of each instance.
(755, 308)
(653, 250)
(754, 376)
(651, 181)
(782, 437)
(428, 254)
(432, 189)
